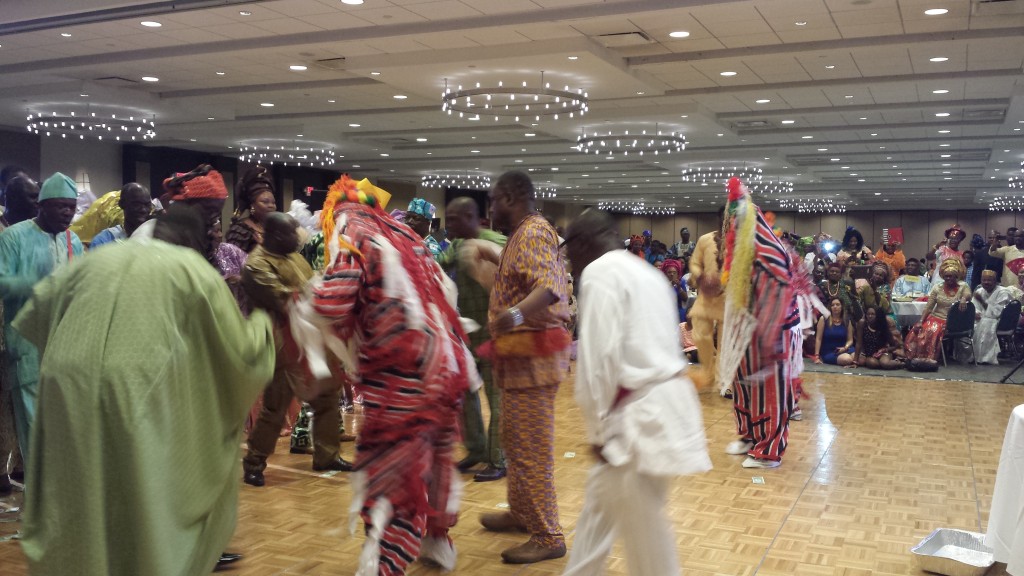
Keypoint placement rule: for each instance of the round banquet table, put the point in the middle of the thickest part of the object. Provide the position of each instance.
(908, 313)
(1006, 521)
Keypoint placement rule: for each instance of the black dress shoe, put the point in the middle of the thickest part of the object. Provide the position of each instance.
(5, 485)
(254, 479)
(490, 474)
(225, 559)
(341, 465)
(466, 464)
(18, 475)
(298, 450)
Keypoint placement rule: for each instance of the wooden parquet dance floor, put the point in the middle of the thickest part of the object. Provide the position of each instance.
(875, 466)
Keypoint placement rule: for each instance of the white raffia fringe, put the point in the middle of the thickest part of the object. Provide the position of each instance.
(440, 550)
(737, 329)
(398, 285)
(369, 558)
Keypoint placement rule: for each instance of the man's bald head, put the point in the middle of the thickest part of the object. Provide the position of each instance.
(591, 235)
(462, 218)
(280, 233)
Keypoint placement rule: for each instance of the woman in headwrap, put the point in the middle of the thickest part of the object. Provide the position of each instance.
(835, 287)
(254, 197)
(854, 251)
(636, 245)
(948, 249)
(673, 269)
(924, 339)
(877, 293)
(892, 256)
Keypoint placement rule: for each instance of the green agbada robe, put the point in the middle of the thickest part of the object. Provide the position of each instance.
(148, 369)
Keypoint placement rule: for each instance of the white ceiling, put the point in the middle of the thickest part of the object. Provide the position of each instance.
(854, 78)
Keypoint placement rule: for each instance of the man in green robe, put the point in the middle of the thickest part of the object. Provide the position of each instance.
(29, 251)
(143, 392)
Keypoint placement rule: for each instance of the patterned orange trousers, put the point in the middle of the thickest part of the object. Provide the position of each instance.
(528, 438)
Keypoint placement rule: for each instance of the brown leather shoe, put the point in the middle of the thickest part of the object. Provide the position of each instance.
(348, 437)
(501, 522)
(529, 553)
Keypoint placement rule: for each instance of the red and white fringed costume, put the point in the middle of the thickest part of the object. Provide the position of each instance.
(760, 294)
(383, 291)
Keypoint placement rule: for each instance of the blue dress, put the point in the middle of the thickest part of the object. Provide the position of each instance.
(834, 337)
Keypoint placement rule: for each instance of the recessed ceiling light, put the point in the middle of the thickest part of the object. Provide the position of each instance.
(941, 91)
(788, 121)
(845, 168)
(943, 131)
(822, 149)
(400, 96)
(374, 73)
(834, 159)
(640, 93)
(762, 101)
(191, 139)
(220, 73)
(848, 96)
(944, 145)
(210, 118)
(151, 24)
(685, 116)
(800, 23)
(356, 166)
(727, 73)
(298, 135)
(297, 68)
(66, 34)
(679, 34)
(720, 134)
(830, 66)
(244, 13)
(529, 134)
(945, 155)
(874, 133)
(574, 57)
(331, 101)
(352, 2)
(938, 59)
(474, 151)
(863, 118)
(150, 79)
(807, 137)
(941, 114)
(936, 11)
(860, 180)
(354, 125)
(421, 139)
(267, 104)
(384, 155)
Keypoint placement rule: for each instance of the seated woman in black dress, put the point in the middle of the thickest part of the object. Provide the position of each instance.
(879, 344)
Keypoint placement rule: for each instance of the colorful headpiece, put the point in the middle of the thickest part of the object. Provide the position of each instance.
(58, 186)
(422, 208)
(955, 229)
(346, 189)
(988, 274)
(952, 265)
(202, 183)
(398, 215)
(673, 264)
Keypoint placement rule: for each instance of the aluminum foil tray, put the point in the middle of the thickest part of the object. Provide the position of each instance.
(954, 553)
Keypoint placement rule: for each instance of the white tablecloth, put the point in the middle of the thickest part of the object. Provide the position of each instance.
(908, 313)
(1006, 521)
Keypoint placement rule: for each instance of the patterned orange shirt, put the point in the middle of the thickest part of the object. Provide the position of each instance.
(529, 261)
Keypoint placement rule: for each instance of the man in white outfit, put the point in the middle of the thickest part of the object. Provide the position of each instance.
(642, 413)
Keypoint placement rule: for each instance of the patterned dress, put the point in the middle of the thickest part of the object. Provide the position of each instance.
(531, 260)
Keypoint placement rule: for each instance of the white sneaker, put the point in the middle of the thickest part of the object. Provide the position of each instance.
(797, 415)
(752, 462)
(438, 551)
(738, 447)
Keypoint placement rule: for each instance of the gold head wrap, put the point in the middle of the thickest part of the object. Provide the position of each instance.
(952, 265)
(988, 274)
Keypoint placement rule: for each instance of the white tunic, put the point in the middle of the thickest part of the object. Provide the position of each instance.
(628, 338)
(990, 306)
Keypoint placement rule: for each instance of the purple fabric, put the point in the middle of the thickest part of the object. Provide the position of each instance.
(229, 260)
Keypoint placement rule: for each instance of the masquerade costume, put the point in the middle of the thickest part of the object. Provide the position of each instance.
(761, 332)
(383, 293)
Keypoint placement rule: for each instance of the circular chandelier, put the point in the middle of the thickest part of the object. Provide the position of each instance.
(514, 102)
(639, 143)
(545, 191)
(287, 153)
(720, 175)
(637, 208)
(1006, 204)
(472, 181)
(810, 205)
(771, 187)
(1016, 182)
(113, 126)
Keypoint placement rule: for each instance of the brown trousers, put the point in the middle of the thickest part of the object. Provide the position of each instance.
(276, 399)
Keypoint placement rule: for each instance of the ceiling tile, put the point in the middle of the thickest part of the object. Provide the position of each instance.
(449, 10)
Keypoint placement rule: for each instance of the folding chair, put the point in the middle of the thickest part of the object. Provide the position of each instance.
(959, 326)
(1006, 328)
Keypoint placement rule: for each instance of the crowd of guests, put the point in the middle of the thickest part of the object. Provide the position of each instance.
(859, 289)
(270, 314)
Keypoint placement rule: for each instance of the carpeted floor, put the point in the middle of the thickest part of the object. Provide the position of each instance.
(955, 372)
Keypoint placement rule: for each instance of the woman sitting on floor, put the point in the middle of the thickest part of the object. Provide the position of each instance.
(834, 337)
(879, 344)
(925, 339)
